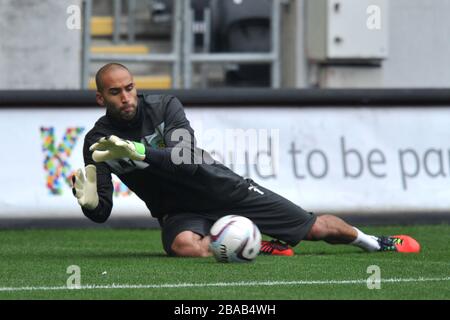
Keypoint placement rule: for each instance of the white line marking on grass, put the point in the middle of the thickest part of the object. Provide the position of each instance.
(223, 284)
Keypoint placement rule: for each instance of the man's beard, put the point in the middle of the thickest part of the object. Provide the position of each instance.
(120, 114)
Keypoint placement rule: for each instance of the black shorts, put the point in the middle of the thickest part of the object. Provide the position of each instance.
(274, 215)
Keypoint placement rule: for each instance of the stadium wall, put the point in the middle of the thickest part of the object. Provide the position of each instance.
(37, 43)
(374, 156)
(417, 42)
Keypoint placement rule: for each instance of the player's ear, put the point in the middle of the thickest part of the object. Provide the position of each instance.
(99, 98)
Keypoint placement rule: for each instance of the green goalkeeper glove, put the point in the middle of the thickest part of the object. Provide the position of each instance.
(112, 147)
(85, 189)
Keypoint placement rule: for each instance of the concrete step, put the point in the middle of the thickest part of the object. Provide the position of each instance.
(121, 49)
(145, 82)
(102, 26)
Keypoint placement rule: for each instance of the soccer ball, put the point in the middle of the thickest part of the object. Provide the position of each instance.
(235, 239)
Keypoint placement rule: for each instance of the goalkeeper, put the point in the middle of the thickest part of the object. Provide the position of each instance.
(142, 138)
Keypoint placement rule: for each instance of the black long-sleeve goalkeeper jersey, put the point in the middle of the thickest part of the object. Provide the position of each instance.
(166, 186)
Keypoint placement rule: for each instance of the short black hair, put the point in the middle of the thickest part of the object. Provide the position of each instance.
(102, 70)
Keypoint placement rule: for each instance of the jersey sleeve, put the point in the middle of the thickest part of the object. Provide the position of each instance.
(180, 152)
(104, 186)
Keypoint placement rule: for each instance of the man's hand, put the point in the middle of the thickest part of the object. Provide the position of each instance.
(112, 147)
(85, 189)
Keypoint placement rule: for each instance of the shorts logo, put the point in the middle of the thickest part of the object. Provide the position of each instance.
(255, 188)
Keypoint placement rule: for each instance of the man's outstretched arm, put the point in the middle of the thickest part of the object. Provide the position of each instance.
(93, 191)
(177, 153)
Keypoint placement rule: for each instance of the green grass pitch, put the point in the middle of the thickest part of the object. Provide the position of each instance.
(131, 264)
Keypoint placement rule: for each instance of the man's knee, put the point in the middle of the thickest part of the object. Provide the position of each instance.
(319, 229)
(189, 244)
(182, 242)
